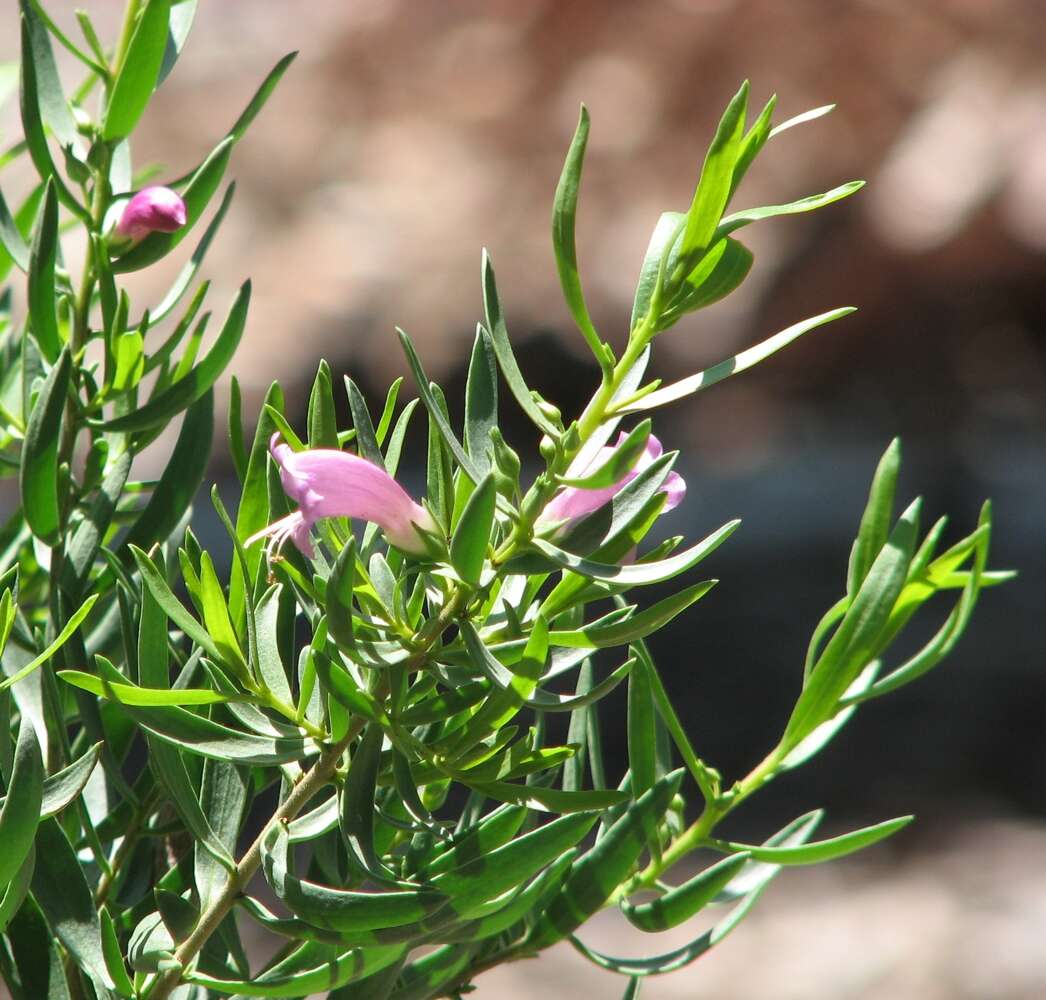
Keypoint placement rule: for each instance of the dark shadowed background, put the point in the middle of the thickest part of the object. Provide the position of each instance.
(408, 135)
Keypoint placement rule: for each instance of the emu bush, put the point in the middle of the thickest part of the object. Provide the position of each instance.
(365, 711)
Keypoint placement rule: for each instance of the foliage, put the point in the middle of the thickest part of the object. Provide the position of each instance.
(416, 733)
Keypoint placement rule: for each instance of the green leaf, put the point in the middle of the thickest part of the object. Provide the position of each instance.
(218, 624)
(61, 891)
(131, 694)
(138, 72)
(181, 478)
(65, 786)
(36, 50)
(182, 14)
(13, 896)
(342, 909)
(11, 241)
(192, 386)
(855, 641)
(337, 682)
(621, 462)
(481, 401)
(366, 436)
(755, 138)
(198, 735)
(38, 473)
(716, 275)
(223, 801)
(43, 320)
(311, 969)
(564, 217)
(806, 116)
(468, 547)
(651, 275)
(60, 640)
(488, 876)
(339, 594)
(706, 778)
(503, 350)
(436, 411)
(174, 609)
(21, 810)
(356, 816)
(732, 366)
(682, 902)
(387, 412)
(192, 266)
(595, 876)
(947, 636)
(713, 189)
(197, 195)
(821, 850)
(641, 726)
(496, 829)
(875, 521)
(550, 799)
(426, 976)
(738, 220)
(635, 627)
(639, 573)
(253, 512)
(260, 98)
(113, 955)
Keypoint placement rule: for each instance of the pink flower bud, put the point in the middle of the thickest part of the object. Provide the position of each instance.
(573, 503)
(328, 483)
(151, 210)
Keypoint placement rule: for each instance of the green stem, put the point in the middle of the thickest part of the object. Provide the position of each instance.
(130, 21)
(697, 834)
(321, 772)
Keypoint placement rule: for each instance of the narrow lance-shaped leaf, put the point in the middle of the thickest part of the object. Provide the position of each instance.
(875, 521)
(621, 462)
(821, 850)
(637, 573)
(137, 75)
(713, 189)
(854, 642)
(596, 875)
(193, 385)
(21, 810)
(732, 366)
(683, 901)
(61, 891)
(810, 203)
(564, 217)
(503, 349)
(60, 640)
(32, 103)
(38, 474)
(43, 320)
(640, 730)
(481, 401)
(12, 243)
(180, 480)
(436, 412)
(366, 436)
(468, 547)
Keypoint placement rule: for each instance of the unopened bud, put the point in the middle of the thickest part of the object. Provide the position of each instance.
(151, 210)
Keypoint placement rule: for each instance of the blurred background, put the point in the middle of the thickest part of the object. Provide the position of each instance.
(408, 135)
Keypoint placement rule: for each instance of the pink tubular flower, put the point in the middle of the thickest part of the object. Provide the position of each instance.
(328, 483)
(151, 210)
(573, 503)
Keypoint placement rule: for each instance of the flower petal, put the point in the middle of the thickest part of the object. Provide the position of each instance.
(329, 483)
